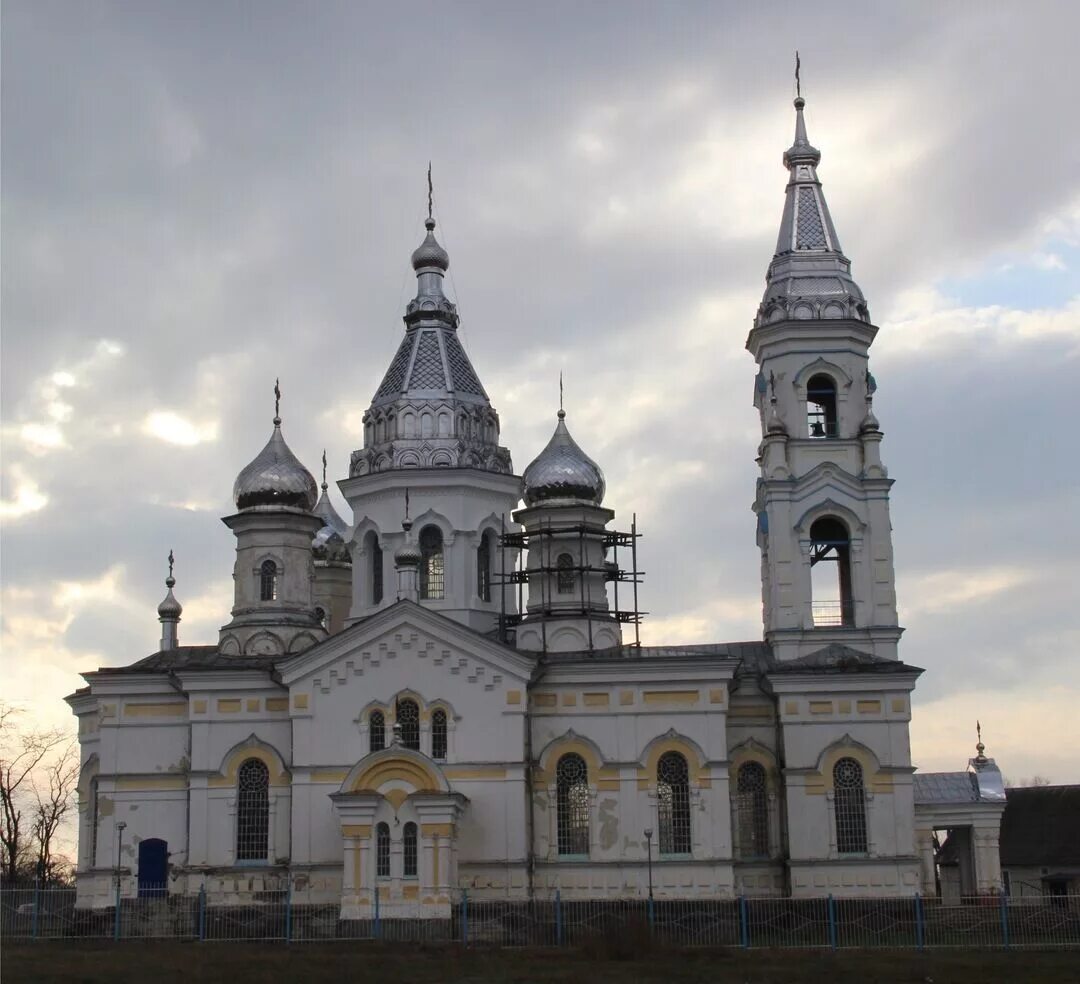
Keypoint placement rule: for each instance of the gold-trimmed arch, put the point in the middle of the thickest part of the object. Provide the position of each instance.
(251, 748)
(572, 743)
(752, 750)
(671, 741)
(847, 747)
(439, 704)
(395, 765)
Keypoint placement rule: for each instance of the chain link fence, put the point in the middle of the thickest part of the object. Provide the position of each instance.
(869, 923)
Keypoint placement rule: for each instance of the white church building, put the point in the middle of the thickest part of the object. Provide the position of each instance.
(447, 691)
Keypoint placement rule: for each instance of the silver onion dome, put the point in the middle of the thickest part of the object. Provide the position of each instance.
(429, 253)
(170, 607)
(408, 554)
(275, 478)
(563, 471)
(329, 543)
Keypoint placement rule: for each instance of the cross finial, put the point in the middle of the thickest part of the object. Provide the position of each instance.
(170, 580)
(798, 81)
(277, 401)
(980, 748)
(560, 391)
(324, 469)
(170, 563)
(406, 503)
(430, 190)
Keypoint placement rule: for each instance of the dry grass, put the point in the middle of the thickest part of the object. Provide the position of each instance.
(240, 963)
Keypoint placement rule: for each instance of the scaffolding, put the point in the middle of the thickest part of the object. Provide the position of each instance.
(517, 573)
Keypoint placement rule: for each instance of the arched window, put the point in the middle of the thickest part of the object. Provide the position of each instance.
(376, 732)
(268, 573)
(566, 580)
(673, 803)
(408, 717)
(483, 567)
(572, 806)
(252, 811)
(432, 572)
(821, 407)
(752, 810)
(94, 819)
(849, 800)
(375, 566)
(438, 734)
(382, 851)
(409, 850)
(830, 589)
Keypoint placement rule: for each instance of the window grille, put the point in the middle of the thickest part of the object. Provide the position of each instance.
(376, 732)
(566, 580)
(94, 819)
(821, 419)
(268, 581)
(849, 800)
(409, 852)
(483, 568)
(673, 803)
(408, 716)
(432, 571)
(572, 796)
(252, 811)
(382, 851)
(375, 553)
(438, 734)
(752, 810)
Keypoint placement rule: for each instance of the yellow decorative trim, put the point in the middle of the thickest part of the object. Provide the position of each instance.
(868, 706)
(626, 698)
(569, 700)
(388, 770)
(844, 707)
(171, 709)
(396, 797)
(544, 700)
(199, 706)
(791, 707)
(750, 711)
(300, 702)
(821, 707)
(680, 697)
(833, 755)
(752, 753)
(716, 696)
(277, 703)
(899, 705)
(356, 830)
(278, 775)
(513, 697)
(699, 774)
(881, 783)
(148, 784)
(329, 775)
(108, 710)
(357, 861)
(596, 700)
(253, 704)
(565, 746)
(437, 829)
(230, 706)
(410, 893)
(476, 772)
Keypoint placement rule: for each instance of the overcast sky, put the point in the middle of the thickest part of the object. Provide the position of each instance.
(198, 197)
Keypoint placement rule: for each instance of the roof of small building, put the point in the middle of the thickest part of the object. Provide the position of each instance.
(190, 658)
(946, 787)
(1040, 825)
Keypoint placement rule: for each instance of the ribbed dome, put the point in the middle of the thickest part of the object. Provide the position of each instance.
(429, 253)
(408, 554)
(275, 478)
(563, 471)
(170, 607)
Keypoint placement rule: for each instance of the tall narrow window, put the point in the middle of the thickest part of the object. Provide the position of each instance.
(375, 566)
(409, 850)
(376, 732)
(572, 806)
(94, 819)
(268, 586)
(673, 803)
(432, 572)
(821, 407)
(483, 568)
(408, 716)
(752, 810)
(252, 811)
(438, 734)
(849, 799)
(830, 573)
(566, 581)
(382, 851)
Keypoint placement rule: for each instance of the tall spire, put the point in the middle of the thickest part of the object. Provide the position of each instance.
(169, 612)
(809, 277)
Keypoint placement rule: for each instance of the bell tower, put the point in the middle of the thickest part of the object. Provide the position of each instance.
(822, 500)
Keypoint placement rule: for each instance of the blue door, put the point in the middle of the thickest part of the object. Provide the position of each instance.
(153, 868)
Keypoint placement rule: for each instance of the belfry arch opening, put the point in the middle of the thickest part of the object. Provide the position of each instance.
(831, 601)
(821, 418)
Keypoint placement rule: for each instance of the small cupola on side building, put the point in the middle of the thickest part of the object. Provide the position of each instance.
(333, 562)
(169, 612)
(274, 609)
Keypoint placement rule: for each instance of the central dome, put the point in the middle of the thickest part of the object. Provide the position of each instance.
(429, 253)
(275, 478)
(563, 471)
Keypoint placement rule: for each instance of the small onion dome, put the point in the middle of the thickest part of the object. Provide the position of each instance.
(275, 478)
(329, 542)
(870, 422)
(773, 423)
(408, 554)
(563, 471)
(170, 608)
(429, 253)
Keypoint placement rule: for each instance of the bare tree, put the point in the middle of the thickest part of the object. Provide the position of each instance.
(54, 787)
(21, 753)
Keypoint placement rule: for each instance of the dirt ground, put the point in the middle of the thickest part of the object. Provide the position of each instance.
(269, 963)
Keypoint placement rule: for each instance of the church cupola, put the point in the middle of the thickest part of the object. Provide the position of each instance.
(333, 562)
(273, 610)
(169, 612)
(563, 472)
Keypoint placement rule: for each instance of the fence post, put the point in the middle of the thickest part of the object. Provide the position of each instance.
(37, 908)
(116, 921)
(378, 924)
(288, 911)
(920, 924)
(832, 922)
(202, 913)
(465, 916)
(1004, 919)
(558, 918)
(744, 923)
